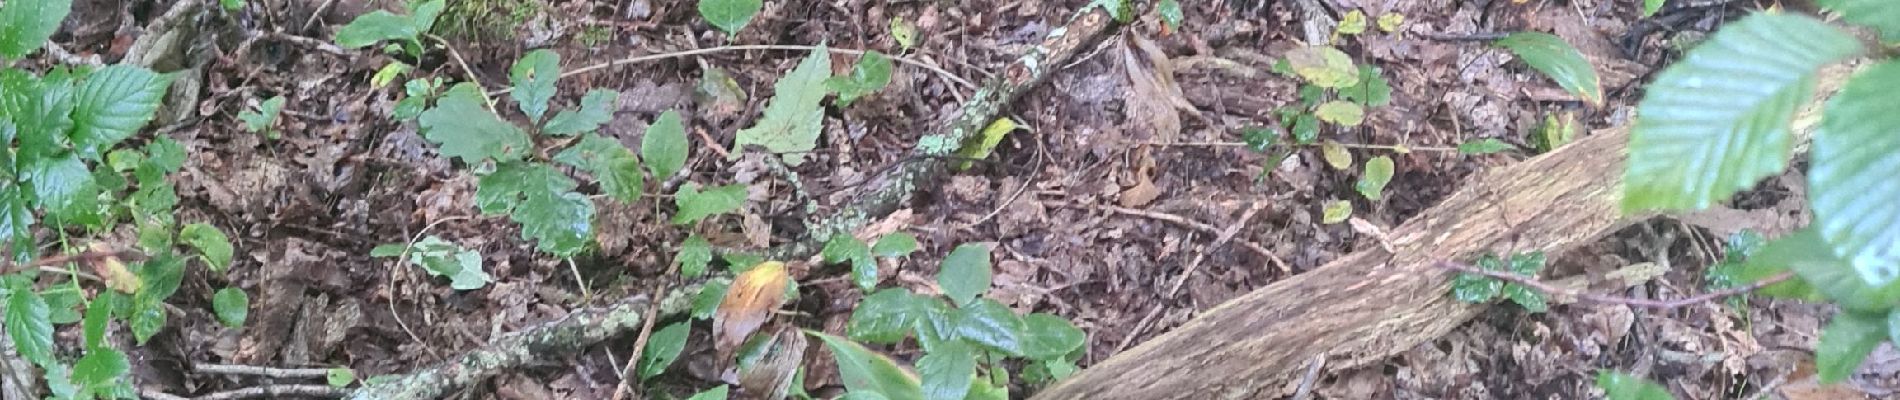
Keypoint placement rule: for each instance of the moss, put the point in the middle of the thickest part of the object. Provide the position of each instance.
(485, 19)
(596, 35)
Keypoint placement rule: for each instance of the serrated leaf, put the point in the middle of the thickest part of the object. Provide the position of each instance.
(793, 117)
(211, 243)
(992, 325)
(1335, 155)
(1372, 180)
(695, 205)
(1170, 11)
(58, 182)
(707, 302)
(665, 145)
(965, 273)
(1391, 21)
(615, 167)
(43, 109)
(947, 371)
(424, 14)
(26, 24)
(111, 104)
(442, 258)
(1259, 138)
(1558, 60)
(885, 316)
(29, 323)
(1049, 337)
(1882, 15)
(533, 77)
(339, 377)
(693, 256)
(100, 367)
(895, 244)
(1620, 386)
(1532, 300)
(1342, 113)
(464, 128)
(231, 305)
(597, 107)
(844, 248)
(98, 318)
(62, 301)
(1845, 342)
(1719, 120)
(1323, 66)
(748, 303)
(543, 201)
(1483, 146)
(1471, 288)
(663, 347)
(1335, 211)
(1527, 263)
(869, 75)
(1372, 89)
(863, 370)
(1851, 178)
(729, 15)
(376, 26)
(1353, 23)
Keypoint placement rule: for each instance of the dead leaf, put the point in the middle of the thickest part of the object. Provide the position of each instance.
(1144, 191)
(113, 270)
(750, 301)
(1154, 99)
(770, 376)
(1336, 155)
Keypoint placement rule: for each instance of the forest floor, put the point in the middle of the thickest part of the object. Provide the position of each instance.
(1093, 212)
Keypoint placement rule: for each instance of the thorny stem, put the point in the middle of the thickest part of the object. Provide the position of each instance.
(1549, 289)
(687, 53)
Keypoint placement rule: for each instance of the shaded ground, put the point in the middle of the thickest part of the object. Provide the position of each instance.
(1071, 232)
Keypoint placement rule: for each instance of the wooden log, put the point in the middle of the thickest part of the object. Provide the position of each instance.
(1373, 304)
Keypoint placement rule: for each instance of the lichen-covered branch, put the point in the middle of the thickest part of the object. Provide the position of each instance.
(514, 350)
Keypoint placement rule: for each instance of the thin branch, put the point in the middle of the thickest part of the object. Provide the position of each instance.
(267, 391)
(1549, 289)
(1225, 236)
(687, 53)
(463, 63)
(279, 373)
(1463, 37)
(1392, 147)
(83, 257)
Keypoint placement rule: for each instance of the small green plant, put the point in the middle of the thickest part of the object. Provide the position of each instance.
(730, 15)
(441, 258)
(403, 31)
(1472, 288)
(263, 118)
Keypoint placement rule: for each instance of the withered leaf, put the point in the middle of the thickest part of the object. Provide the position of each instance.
(750, 301)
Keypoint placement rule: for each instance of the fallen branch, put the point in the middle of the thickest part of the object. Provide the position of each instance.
(267, 391)
(1554, 291)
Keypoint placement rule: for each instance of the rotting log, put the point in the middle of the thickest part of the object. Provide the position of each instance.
(1375, 303)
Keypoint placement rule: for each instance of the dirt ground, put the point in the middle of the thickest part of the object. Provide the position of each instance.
(1093, 211)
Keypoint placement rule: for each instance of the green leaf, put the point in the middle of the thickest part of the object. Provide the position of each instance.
(339, 377)
(1372, 89)
(1391, 21)
(947, 371)
(383, 77)
(597, 107)
(1851, 178)
(695, 205)
(231, 305)
(1483, 146)
(992, 325)
(543, 201)
(1323, 66)
(100, 366)
(1719, 121)
(1259, 138)
(265, 114)
(1471, 288)
(98, 318)
(1527, 263)
(663, 347)
(1557, 59)
(533, 77)
(1122, 11)
(1882, 15)
(26, 24)
(844, 248)
(1342, 113)
(716, 393)
(164, 154)
(793, 118)
(904, 32)
(1305, 129)
(442, 258)
(1845, 342)
(1335, 211)
(43, 111)
(111, 104)
(1353, 23)
(212, 244)
(376, 26)
(965, 273)
(1372, 181)
(29, 323)
(664, 146)
(462, 124)
(61, 301)
(872, 73)
(1531, 299)
(1620, 386)
(58, 182)
(611, 163)
(730, 15)
(693, 256)
(1049, 337)
(388, 250)
(885, 316)
(895, 244)
(863, 370)
(708, 299)
(425, 14)
(1170, 11)
(1650, 7)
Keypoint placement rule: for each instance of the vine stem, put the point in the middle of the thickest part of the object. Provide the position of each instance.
(1549, 289)
(709, 50)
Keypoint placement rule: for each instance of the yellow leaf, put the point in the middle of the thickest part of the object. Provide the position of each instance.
(1336, 154)
(1391, 21)
(1335, 211)
(980, 146)
(116, 275)
(749, 302)
(1353, 23)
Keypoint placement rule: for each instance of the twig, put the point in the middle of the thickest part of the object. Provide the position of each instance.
(459, 61)
(1551, 290)
(627, 374)
(1140, 327)
(1225, 235)
(1463, 37)
(1312, 375)
(271, 391)
(50, 263)
(67, 57)
(1392, 147)
(513, 350)
(311, 43)
(687, 53)
(279, 373)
